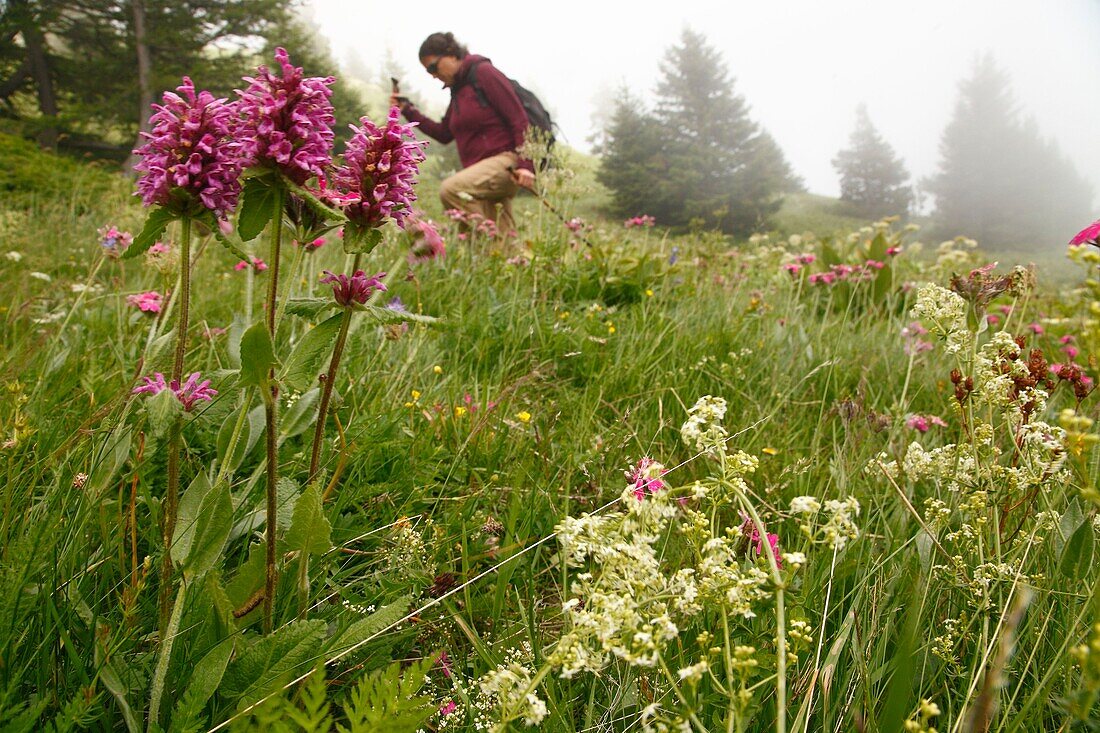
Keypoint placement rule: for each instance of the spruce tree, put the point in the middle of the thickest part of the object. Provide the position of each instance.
(723, 169)
(699, 158)
(873, 180)
(999, 181)
(632, 160)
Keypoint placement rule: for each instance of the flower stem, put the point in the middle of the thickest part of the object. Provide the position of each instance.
(271, 408)
(175, 433)
(167, 639)
(326, 388)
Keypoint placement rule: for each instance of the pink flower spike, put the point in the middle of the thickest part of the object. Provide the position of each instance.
(286, 121)
(1071, 352)
(807, 259)
(445, 663)
(191, 159)
(1088, 235)
(1035, 328)
(149, 302)
(448, 707)
(992, 319)
(1067, 339)
(427, 244)
(892, 251)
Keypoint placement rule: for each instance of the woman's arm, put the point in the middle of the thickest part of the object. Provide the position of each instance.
(440, 131)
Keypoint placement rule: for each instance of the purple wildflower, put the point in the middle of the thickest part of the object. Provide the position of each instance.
(749, 530)
(189, 393)
(114, 242)
(286, 121)
(355, 289)
(375, 183)
(190, 159)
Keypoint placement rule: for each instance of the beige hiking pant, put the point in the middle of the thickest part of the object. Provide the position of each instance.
(485, 188)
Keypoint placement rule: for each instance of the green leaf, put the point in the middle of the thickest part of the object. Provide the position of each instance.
(384, 699)
(205, 678)
(157, 221)
(388, 315)
(310, 532)
(1077, 555)
(163, 409)
(244, 440)
(311, 354)
(309, 307)
(110, 679)
(113, 454)
(258, 200)
(233, 345)
(1070, 521)
(257, 356)
(301, 415)
(319, 207)
(359, 239)
(272, 661)
(212, 525)
(159, 348)
(365, 628)
(187, 514)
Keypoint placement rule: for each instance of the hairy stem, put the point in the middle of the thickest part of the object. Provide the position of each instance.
(163, 657)
(271, 413)
(175, 433)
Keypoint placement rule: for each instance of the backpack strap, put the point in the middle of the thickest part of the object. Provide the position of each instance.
(471, 79)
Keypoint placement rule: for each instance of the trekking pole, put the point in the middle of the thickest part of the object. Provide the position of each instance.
(555, 212)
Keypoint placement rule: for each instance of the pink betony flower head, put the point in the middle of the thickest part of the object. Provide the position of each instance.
(189, 393)
(792, 268)
(286, 120)
(922, 423)
(149, 302)
(375, 182)
(191, 160)
(639, 221)
(1088, 235)
(357, 289)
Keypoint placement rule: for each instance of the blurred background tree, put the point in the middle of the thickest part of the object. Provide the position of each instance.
(873, 180)
(999, 180)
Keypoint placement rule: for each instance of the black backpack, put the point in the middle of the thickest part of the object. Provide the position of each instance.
(537, 115)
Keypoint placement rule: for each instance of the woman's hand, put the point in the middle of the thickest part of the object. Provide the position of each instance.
(524, 178)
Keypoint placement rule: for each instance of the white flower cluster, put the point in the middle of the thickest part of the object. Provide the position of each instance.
(508, 688)
(703, 429)
(945, 313)
(838, 526)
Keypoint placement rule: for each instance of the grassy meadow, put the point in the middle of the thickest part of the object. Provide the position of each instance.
(855, 539)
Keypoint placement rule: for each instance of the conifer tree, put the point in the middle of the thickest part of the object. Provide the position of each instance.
(873, 180)
(999, 181)
(699, 158)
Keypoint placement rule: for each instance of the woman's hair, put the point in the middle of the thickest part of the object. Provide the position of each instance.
(442, 44)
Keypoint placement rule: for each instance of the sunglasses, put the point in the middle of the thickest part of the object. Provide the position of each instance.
(432, 67)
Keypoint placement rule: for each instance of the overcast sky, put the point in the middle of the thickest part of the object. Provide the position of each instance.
(802, 65)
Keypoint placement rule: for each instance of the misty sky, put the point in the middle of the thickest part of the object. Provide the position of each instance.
(802, 65)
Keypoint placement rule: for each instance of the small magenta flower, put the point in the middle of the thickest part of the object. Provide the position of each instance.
(189, 393)
(149, 302)
(256, 264)
(313, 246)
(1088, 235)
(447, 708)
(892, 251)
(286, 121)
(1035, 328)
(792, 268)
(575, 224)
(357, 289)
(191, 160)
(114, 242)
(923, 423)
(749, 530)
(646, 477)
(639, 221)
(375, 183)
(807, 259)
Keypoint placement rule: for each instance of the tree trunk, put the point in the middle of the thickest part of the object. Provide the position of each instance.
(144, 77)
(39, 69)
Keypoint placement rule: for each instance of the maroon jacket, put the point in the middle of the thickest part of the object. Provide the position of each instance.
(479, 132)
